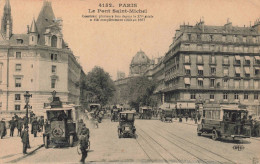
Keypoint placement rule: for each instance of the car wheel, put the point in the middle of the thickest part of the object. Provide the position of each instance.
(71, 140)
(46, 142)
(214, 135)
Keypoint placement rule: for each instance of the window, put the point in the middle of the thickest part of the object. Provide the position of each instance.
(236, 96)
(225, 71)
(235, 38)
(18, 82)
(211, 38)
(187, 59)
(212, 82)
(246, 96)
(187, 69)
(257, 59)
(256, 96)
(53, 69)
(225, 83)
(192, 96)
(246, 83)
(19, 41)
(17, 107)
(257, 70)
(200, 70)
(213, 59)
(236, 83)
(54, 41)
(213, 70)
(17, 96)
(189, 36)
(18, 55)
(54, 57)
(200, 82)
(199, 59)
(18, 67)
(226, 61)
(247, 60)
(187, 82)
(256, 84)
(211, 96)
(237, 71)
(53, 83)
(198, 37)
(237, 59)
(244, 39)
(225, 96)
(247, 71)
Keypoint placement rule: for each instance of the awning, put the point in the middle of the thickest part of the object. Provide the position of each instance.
(200, 67)
(184, 105)
(167, 106)
(257, 57)
(247, 57)
(237, 69)
(247, 70)
(257, 68)
(187, 67)
(237, 57)
(187, 80)
(200, 79)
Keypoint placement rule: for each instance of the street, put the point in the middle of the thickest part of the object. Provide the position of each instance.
(156, 141)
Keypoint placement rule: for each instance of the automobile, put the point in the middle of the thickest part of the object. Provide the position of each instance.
(224, 121)
(166, 115)
(145, 112)
(126, 126)
(60, 128)
(114, 114)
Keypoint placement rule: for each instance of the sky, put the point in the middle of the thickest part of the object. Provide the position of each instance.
(112, 45)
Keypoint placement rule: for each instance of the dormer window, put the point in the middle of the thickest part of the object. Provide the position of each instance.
(19, 41)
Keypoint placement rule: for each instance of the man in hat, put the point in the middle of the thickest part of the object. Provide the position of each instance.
(20, 126)
(2, 128)
(35, 127)
(84, 142)
(12, 126)
(25, 139)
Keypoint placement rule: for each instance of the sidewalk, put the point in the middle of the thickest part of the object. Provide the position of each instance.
(11, 148)
(189, 122)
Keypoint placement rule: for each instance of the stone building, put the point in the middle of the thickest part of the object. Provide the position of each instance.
(38, 61)
(213, 64)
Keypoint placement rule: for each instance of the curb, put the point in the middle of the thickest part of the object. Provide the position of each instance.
(24, 156)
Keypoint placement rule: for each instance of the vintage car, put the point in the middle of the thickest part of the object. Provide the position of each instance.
(126, 126)
(60, 128)
(145, 112)
(224, 121)
(166, 115)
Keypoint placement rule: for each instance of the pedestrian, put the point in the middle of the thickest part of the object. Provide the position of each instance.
(41, 123)
(25, 139)
(186, 116)
(195, 118)
(20, 126)
(35, 127)
(2, 128)
(80, 124)
(84, 143)
(12, 126)
(199, 116)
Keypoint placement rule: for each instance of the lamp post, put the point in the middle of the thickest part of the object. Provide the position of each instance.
(27, 100)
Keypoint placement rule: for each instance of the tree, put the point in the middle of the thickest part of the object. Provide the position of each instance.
(100, 84)
(141, 92)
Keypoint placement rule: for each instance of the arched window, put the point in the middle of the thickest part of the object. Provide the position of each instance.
(54, 41)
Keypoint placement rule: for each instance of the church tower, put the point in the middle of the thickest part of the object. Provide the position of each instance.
(33, 34)
(7, 22)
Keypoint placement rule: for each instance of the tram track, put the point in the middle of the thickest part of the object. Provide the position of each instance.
(162, 155)
(185, 141)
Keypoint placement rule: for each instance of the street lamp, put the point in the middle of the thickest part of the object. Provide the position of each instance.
(27, 100)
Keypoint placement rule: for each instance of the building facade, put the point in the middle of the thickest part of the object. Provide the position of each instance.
(38, 61)
(213, 64)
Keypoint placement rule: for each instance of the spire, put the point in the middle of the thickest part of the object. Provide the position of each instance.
(33, 28)
(7, 5)
(7, 22)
